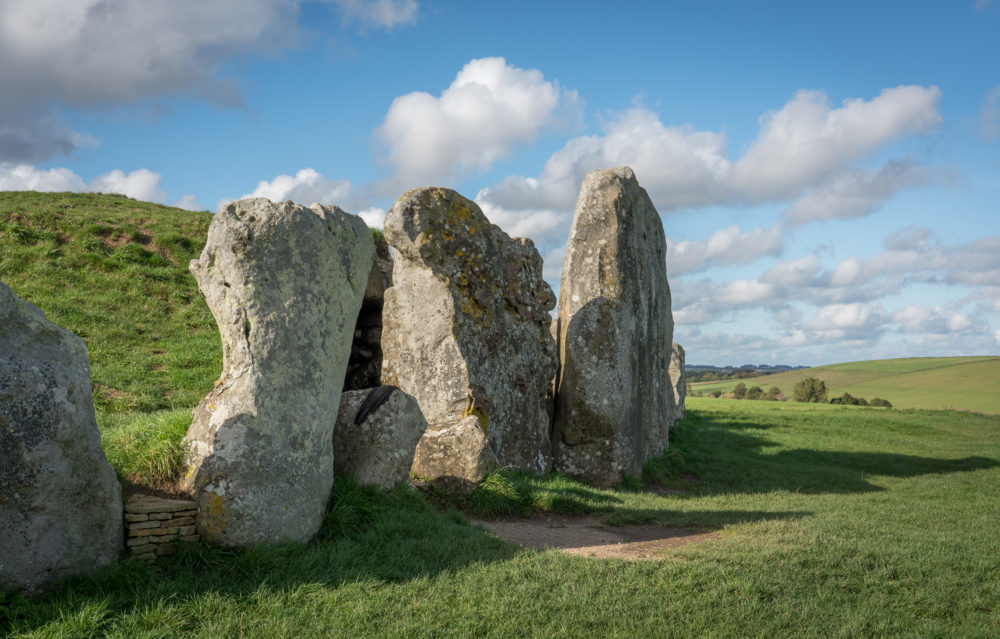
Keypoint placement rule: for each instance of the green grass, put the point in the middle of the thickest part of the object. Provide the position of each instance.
(959, 383)
(145, 448)
(835, 521)
(114, 271)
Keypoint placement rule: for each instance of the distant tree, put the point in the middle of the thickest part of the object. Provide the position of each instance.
(740, 391)
(849, 400)
(810, 390)
(716, 393)
(880, 403)
(772, 394)
(754, 392)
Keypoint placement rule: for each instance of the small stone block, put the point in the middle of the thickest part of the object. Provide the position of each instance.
(136, 517)
(185, 530)
(185, 513)
(180, 521)
(165, 549)
(191, 538)
(144, 548)
(165, 539)
(149, 504)
(136, 541)
(143, 525)
(160, 516)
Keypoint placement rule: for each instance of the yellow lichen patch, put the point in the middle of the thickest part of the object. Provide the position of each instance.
(214, 518)
(484, 419)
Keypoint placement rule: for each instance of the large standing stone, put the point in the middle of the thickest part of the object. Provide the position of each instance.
(678, 379)
(60, 501)
(466, 324)
(284, 283)
(614, 397)
(374, 441)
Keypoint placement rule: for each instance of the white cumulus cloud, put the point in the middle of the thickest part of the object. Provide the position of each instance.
(854, 194)
(305, 187)
(730, 245)
(141, 184)
(488, 109)
(101, 53)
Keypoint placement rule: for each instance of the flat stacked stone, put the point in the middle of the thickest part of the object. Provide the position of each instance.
(155, 523)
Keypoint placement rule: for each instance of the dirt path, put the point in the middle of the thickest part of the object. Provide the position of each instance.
(589, 536)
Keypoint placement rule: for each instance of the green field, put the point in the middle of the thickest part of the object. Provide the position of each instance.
(958, 383)
(834, 521)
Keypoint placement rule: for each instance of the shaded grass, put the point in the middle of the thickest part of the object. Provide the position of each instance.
(835, 521)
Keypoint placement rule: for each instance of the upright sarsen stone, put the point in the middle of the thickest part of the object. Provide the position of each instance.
(60, 501)
(466, 324)
(284, 283)
(678, 379)
(614, 396)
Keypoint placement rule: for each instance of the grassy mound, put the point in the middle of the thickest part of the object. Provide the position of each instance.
(938, 383)
(114, 271)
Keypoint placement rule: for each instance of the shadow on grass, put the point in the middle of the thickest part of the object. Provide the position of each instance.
(367, 537)
(727, 460)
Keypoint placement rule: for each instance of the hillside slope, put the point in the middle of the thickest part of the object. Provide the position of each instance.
(114, 271)
(962, 383)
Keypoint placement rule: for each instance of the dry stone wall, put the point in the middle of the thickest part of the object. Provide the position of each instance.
(154, 524)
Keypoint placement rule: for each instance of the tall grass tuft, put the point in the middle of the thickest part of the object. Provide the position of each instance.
(146, 448)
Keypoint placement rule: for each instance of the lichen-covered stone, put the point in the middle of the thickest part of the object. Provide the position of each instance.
(60, 501)
(379, 450)
(284, 283)
(614, 397)
(466, 324)
(454, 455)
(678, 379)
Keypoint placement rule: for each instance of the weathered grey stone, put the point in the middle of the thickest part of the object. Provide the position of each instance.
(466, 324)
(379, 450)
(678, 379)
(614, 398)
(284, 283)
(60, 501)
(454, 455)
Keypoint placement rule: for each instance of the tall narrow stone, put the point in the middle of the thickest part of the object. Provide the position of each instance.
(678, 380)
(284, 283)
(466, 324)
(60, 501)
(614, 397)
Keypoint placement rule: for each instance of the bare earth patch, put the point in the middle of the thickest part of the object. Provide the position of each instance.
(589, 536)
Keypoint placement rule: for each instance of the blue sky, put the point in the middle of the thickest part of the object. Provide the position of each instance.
(828, 173)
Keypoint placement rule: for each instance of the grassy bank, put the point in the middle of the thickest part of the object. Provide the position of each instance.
(937, 383)
(114, 271)
(836, 521)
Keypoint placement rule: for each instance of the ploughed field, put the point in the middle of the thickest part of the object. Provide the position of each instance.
(826, 520)
(955, 383)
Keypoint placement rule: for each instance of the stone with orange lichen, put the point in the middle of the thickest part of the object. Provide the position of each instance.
(466, 324)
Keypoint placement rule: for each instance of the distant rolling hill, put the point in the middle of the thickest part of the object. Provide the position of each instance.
(960, 383)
